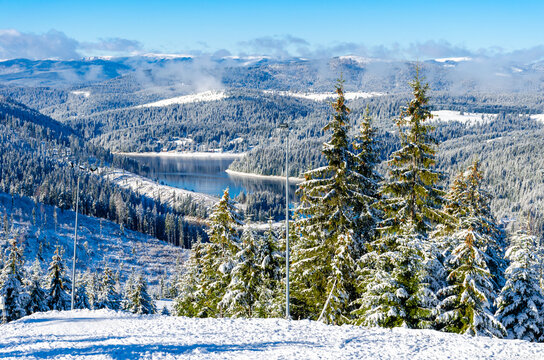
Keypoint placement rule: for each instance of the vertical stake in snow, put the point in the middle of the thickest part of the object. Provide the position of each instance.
(75, 246)
(286, 127)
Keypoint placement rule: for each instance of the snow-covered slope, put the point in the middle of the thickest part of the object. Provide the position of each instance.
(324, 96)
(185, 99)
(465, 118)
(98, 240)
(104, 334)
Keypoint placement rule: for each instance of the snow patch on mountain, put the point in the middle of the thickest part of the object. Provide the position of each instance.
(81, 93)
(325, 96)
(186, 99)
(538, 117)
(107, 334)
(463, 117)
(453, 59)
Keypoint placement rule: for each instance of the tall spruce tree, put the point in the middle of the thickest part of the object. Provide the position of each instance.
(368, 182)
(218, 258)
(330, 197)
(467, 300)
(271, 297)
(58, 283)
(398, 276)
(521, 301)
(243, 289)
(12, 288)
(37, 297)
(191, 301)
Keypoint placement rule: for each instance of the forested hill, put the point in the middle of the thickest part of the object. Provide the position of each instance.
(35, 161)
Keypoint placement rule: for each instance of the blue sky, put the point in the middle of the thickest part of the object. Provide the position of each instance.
(302, 28)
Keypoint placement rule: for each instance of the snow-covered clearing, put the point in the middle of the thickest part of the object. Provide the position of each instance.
(465, 118)
(104, 334)
(152, 189)
(538, 117)
(186, 99)
(98, 240)
(324, 96)
(81, 93)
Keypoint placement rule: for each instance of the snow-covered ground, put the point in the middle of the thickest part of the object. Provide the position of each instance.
(465, 117)
(81, 93)
(98, 241)
(325, 95)
(186, 99)
(538, 117)
(147, 187)
(104, 334)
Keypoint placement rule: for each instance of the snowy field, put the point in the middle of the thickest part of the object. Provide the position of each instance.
(104, 334)
(464, 118)
(98, 241)
(187, 99)
(325, 96)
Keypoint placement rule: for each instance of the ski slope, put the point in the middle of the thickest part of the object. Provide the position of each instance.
(105, 334)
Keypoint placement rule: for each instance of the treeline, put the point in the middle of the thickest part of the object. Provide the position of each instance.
(35, 162)
(395, 251)
(26, 291)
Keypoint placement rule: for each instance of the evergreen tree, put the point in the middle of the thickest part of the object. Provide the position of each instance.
(58, 284)
(329, 199)
(243, 289)
(12, 284)
(37, 297)
(467, 199)
(368, 182)
(108, 297)
(138, 299)
(467, 300)
(218, 258)
(81, 299)
(271, 298)
(190, 301)
(398, 277)
(521, 301)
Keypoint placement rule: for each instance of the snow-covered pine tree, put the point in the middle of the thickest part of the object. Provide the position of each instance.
(271, 297)
(138, 299)
(467, 198)
(12, 284)
(81, 299)
(190, 300)
(218, 260)
(37, 297)
(520, 305)
(108, 297)
(243, 289)
(366, 159)
(93, 288)
(398, 275)
(466, 303)
(58, 284)
(329, 197)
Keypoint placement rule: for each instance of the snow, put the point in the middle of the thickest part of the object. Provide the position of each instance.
(167, 56)
(465, 118)
(144, 186)
(325, 95)
(106, 334)
(538, 117)
(186, 99)
(81, 93)
(453, 59)
(98, 240)
(358, 59)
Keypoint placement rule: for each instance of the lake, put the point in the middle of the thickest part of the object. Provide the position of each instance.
(206, 175)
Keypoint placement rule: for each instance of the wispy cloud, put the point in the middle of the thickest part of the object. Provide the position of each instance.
(57, 45)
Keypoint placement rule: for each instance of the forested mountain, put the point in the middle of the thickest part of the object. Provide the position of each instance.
(35, 161)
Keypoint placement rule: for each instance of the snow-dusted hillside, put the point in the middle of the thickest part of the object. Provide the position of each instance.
(186, 99)
(104, 334)
(349, 95)
(98, 240)
(465, 117)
